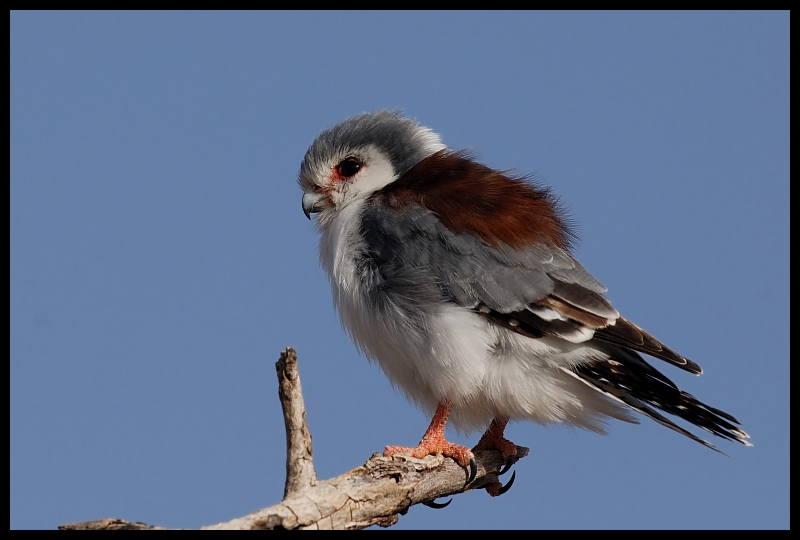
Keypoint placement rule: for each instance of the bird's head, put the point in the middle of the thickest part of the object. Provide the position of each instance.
(363, 154)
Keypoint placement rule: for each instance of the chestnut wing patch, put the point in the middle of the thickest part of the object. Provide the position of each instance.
(498, 207)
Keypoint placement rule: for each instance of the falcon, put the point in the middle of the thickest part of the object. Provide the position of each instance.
(458, 281)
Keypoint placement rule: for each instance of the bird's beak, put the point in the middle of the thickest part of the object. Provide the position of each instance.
(311, 203)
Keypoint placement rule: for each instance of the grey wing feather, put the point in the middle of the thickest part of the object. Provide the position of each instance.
(464, 268)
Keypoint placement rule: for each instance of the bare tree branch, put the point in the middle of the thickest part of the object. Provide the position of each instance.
(300, 473)
(376, 493)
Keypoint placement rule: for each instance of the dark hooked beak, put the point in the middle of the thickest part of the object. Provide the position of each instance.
(311, 203)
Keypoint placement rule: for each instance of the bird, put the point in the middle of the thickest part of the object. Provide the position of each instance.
(459, 281)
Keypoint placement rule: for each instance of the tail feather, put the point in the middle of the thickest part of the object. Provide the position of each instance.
(626, 378)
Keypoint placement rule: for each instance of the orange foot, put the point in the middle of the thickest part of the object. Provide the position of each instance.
(493, 440)
(431, 447)
(433, 442)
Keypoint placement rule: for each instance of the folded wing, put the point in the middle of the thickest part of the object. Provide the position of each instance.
(537, 291)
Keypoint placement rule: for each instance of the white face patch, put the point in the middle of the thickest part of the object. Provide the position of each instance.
(376, 172)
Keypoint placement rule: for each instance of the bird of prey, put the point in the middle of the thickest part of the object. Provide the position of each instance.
(457, 279)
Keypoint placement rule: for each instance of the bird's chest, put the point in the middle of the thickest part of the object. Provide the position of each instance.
(429, 347)
(389, 325)
(366, 308)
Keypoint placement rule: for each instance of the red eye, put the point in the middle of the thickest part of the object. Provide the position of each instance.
(348, 168)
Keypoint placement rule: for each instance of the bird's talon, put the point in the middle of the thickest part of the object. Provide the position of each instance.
(508, 486)
(437, 506)
(473, 471)
(510, 461)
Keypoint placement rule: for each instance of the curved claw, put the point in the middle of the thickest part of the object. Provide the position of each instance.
(507, 465)
(473, 471)
(510, 483)
(437, 506)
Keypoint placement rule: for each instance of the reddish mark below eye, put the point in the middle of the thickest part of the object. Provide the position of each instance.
(347, 168)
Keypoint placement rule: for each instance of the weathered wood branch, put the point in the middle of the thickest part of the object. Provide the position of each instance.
(300, 473)
(376, 493)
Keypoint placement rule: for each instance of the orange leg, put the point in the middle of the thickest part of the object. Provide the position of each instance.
(433, 442)
(493, 440)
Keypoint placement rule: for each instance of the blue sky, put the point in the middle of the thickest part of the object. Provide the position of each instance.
(160, 260)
